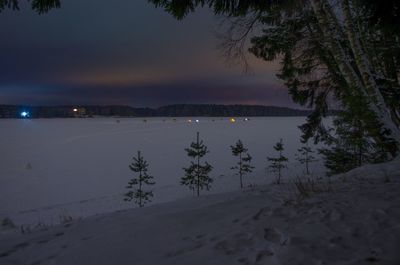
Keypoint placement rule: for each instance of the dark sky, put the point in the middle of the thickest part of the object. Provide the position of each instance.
(123, 52)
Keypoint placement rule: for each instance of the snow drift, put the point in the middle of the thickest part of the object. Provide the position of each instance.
(356, 222)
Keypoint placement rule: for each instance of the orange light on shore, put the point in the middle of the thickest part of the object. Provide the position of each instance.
(75, 110)
(232, 120)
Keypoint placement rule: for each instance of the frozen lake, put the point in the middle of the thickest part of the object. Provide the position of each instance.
(51, 168)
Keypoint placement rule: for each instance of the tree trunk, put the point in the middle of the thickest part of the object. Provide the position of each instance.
(279, 174)
(280, 166)
(140, 184)
(240, 171)
(198, 168)
(307, 170)
(382, 110)
(332, 33)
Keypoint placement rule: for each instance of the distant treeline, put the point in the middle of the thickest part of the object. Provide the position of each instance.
(183, 110)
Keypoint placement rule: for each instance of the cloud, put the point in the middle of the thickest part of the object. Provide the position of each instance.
(124, 53)
(233, 91)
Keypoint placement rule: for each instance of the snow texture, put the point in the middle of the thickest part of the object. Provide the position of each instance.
(356, 223)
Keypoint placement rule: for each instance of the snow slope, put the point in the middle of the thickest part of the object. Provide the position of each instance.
(79, 167)
(356, 223)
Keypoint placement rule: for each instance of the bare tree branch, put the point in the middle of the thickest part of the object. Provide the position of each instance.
(235, 36)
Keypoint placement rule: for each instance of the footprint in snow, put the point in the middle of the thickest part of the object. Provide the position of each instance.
(244, 261)
(188, 249)
(214, 238)
(263, 255)
(46, 240)
(15, 249)
(240, 242)
(272, 235)
(200, 236)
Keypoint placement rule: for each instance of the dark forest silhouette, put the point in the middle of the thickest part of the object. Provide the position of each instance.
(179, 110)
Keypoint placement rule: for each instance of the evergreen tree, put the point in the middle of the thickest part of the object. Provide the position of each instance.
(344, 49)
(278, 163)
(140, 167)
(338, 160)
(40, 6)
(305, 157)
(352, 144)
(197, 174)
(244, 164)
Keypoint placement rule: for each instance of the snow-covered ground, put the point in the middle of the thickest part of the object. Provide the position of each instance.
(356, 222)
(56, 168)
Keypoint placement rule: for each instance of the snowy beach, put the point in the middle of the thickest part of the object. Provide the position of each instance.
(356, 222)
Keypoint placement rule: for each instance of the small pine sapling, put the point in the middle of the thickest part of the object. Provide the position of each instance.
(197, 174)
(278, 163)
(305, 157)
(138, 194)
(244, 164)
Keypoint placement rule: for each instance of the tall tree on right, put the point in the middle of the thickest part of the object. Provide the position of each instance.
(346, 50)
(197, 174)
(244, 164)
(278, 163)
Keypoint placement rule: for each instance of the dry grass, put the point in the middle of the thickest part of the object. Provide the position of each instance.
(305, 187)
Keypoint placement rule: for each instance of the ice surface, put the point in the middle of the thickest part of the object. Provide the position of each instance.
(52, 168)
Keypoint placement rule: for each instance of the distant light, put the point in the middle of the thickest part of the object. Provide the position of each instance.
(24, 114)
(189, 121)
(246, 119)
(197, 121)
(75, 110)
(232, 120)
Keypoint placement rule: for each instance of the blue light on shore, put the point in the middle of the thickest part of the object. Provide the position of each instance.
(24, 114)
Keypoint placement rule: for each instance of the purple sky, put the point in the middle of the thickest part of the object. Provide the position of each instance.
(124, 52)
